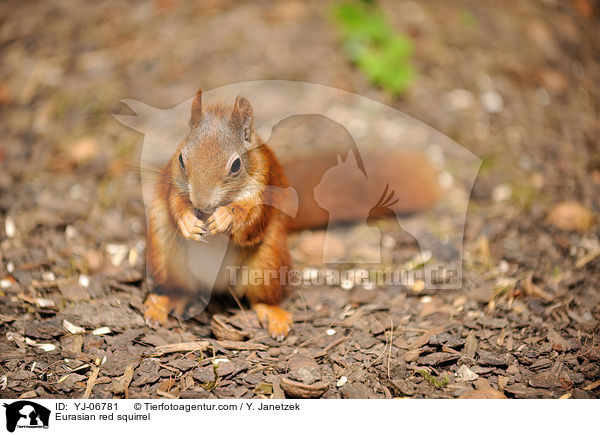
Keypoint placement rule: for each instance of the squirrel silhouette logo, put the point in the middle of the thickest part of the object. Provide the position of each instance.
(329, 194)
(26, 414)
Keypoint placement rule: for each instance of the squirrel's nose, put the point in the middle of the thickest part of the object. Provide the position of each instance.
(201, 201)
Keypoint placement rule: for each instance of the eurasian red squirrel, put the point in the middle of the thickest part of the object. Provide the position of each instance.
(216, 189)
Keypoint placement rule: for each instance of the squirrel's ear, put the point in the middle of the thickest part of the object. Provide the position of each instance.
(243, 116)
(196, 109)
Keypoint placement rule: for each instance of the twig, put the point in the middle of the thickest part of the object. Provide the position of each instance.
(240, 345)
(91, 382)
(189, 346)
(240, 306)
(587, 259)
(331, 346)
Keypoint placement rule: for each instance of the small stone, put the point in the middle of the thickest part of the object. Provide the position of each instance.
(84, 280)
(459, 99)
(492, 101)
(10, 229)
(501, 193)
(466, 374)
(48, 276)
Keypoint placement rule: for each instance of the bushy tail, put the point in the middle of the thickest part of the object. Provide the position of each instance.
(410, 176)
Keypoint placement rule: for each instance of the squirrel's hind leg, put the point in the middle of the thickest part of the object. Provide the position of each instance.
(272, 260)
(170, 286)
(159, 307)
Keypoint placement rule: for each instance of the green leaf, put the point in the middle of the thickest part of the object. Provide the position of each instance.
(379, 52)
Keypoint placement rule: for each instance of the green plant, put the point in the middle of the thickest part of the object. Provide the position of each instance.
(381, 53)
(439, 382)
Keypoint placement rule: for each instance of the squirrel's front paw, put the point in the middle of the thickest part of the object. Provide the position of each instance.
(220, 221)
(191, 227)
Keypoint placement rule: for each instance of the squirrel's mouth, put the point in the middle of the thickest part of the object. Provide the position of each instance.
(202, 215)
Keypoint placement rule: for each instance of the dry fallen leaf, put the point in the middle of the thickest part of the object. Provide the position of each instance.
(570, 216)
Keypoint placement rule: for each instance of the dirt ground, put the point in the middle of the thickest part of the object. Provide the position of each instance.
(517, 86)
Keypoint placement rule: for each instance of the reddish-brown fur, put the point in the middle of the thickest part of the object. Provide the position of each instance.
(256, 229)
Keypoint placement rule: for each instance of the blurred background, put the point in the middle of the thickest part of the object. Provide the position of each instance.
(517, 86)
(516, 83)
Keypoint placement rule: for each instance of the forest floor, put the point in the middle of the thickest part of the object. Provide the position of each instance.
(517, 86)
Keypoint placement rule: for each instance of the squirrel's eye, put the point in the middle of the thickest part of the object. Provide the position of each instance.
(236, 166)
(181, 160)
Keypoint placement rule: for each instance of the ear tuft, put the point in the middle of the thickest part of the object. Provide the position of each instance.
(243, 118)
(196, 109)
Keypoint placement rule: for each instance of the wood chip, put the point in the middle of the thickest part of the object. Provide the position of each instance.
(592, 386)
(224, 331)
(73, 329)
(101, 331)
(120, 386)
(190, 346)
(471, 344)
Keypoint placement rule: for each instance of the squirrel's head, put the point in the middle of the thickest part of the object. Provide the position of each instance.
(215, 158)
